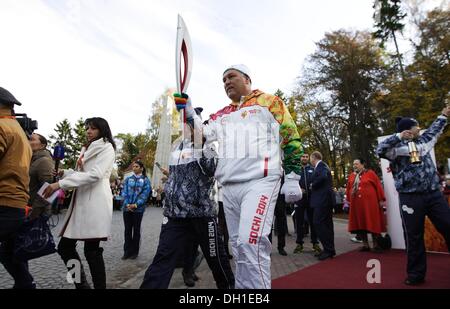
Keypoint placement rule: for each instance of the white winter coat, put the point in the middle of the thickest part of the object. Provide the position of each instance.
(90, 212)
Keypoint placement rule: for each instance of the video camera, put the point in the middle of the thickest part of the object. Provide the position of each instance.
(27, 124)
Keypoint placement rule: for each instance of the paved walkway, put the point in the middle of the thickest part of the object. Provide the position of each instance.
(281, 265)
(49, 272)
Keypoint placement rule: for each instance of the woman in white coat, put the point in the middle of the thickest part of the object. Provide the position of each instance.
(90, 213)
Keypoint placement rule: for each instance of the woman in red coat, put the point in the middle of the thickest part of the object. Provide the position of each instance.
(367, 201)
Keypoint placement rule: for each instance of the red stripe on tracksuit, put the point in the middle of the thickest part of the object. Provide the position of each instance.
(266, 166)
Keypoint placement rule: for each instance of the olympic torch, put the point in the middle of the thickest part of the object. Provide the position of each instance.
(183, 62)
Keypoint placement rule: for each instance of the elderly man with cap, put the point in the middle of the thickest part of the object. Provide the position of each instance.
(419, 188)
(189, 215)
(257, 137)
(15, 159)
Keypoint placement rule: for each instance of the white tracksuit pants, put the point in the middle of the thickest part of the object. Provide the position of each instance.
(249, 209)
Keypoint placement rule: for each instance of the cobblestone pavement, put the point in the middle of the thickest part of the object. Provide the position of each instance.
(50, 273)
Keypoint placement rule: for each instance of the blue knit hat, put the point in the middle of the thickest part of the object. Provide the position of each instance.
(405, 123)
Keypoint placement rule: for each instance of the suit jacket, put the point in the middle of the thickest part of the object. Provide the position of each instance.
(306, 176)
(322, 194)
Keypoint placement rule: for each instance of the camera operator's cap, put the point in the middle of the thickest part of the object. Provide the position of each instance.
(405, 123)
(7, 98)
(240, 68)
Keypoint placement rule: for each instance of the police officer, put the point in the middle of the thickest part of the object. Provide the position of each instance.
(15, 159)
(419, 188)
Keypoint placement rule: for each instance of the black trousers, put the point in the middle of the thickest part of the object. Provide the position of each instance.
(413, 209)
(223, 229)
(302, 210)
(280, 222)
(94, 256)
(10, 221)
(132, 234)
(175, 235)
(323, 223)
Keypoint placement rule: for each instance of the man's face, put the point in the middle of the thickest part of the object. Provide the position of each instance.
(305, 159)
(312, 160)
(236, 85)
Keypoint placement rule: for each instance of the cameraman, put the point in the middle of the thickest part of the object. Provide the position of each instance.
(15, 158)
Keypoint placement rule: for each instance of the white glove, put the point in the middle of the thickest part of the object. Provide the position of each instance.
(291, 188)
(209, 151)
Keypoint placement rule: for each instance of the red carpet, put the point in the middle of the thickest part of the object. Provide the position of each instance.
(349, 271)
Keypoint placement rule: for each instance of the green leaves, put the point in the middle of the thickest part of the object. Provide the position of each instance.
(388, 19)
(71, 138)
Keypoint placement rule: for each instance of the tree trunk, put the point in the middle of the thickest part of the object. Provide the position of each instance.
(399, 57)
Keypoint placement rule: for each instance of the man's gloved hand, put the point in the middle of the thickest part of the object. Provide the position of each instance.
(182, 101)
(291, 188)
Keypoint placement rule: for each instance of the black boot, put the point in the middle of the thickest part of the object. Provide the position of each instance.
(97, 267)
(68, 255)
(188, 278)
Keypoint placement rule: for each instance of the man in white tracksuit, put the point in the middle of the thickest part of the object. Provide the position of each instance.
(250, 167)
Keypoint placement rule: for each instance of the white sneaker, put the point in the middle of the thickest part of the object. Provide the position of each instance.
(354, 239)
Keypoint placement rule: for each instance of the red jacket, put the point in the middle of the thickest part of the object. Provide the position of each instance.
(365, 211)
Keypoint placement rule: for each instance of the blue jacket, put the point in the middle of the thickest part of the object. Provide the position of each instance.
(136, 190)
(322, 194)
(410, 177)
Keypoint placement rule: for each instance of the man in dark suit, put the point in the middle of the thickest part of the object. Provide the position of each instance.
(322, 201)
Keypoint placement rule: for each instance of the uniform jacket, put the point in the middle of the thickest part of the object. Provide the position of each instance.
(250, 135)
(413, 177)
(136, 190)
(191, 179)
(306, 176)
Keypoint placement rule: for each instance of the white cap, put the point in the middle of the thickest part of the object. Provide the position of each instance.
(241, 68)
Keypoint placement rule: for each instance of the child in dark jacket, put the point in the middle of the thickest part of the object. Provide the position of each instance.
(190, 215)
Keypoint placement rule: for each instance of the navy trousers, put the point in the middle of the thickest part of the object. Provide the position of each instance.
(302, 210)
(10, 221)
(132, 233)
(175, 235)
(323, 223)
(413, 209)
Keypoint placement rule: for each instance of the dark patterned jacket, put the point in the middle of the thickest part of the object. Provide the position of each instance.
(410, 177)
(190, 182)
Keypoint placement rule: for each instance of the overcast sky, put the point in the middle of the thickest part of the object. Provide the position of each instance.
(113, 58)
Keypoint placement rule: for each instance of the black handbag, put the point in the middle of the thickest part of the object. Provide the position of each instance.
(34, 239)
